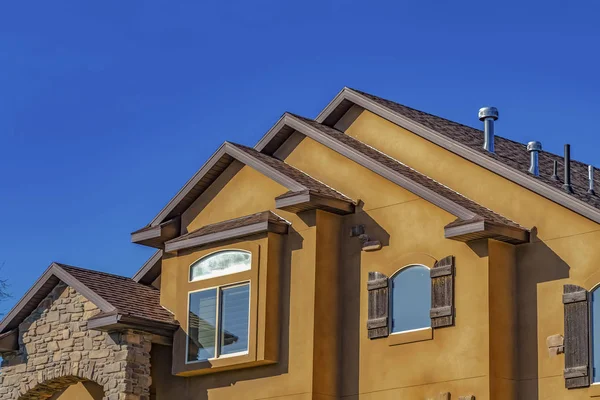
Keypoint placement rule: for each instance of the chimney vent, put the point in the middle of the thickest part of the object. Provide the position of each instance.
(567, 185)
(534, 148)
(591, 179)
(488, 115)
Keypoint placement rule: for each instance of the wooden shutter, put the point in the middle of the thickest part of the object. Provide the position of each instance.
(378, 314)
(577, 332)
(442, 293)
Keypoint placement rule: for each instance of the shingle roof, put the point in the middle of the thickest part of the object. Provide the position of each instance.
(509, 152)
(265, 216)
(411, 174)
(126, 295)
(314, 186)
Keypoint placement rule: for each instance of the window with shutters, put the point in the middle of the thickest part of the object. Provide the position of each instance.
(410, 299)
(407, 305)
(231, 295)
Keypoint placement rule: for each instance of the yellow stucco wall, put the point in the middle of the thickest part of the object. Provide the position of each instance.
(81, 391)
(508, 298)
(564, 251)
(292, 377)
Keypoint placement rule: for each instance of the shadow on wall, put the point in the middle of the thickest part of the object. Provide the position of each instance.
(351, 289)
(167, 386)
(537, 263)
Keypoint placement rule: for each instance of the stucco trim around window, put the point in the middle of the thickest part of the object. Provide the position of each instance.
(415, 335)
(263, 330)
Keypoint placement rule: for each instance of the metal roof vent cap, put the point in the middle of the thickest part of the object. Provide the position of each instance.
(534, 149)
(488, 115)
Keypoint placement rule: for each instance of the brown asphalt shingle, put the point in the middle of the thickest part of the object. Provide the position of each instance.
(509, 152)
(410, 173)
(232, 224)
(126, 295)
(314, 186)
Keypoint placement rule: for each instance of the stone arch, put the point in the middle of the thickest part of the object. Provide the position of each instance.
(57, 349)
(50, 389)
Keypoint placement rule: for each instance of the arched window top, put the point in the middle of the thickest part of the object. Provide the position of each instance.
(221, 263)
(410, 299)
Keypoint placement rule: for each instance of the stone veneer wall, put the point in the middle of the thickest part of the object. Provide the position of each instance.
(56, 350)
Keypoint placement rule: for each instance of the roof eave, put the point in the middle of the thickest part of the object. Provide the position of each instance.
(9, 341)
(42, 287)
(229, 234)
(156, 236)
(118, 321)
(481, 229)
(305, 201)
(150, 270)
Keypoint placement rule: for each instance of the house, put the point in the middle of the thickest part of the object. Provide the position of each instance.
(376, 252)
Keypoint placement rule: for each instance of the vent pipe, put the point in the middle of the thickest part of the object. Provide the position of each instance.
(534, 148)
(567, 185)
(554, 176)
(591, 179)
(488, 115)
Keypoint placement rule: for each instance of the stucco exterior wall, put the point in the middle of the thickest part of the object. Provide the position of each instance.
(508, 298)
(563, 250)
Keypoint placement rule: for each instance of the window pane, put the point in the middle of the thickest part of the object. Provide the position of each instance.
(201, 325)
(221, 263)
(411, 299)
(234, 319)
(596, 335)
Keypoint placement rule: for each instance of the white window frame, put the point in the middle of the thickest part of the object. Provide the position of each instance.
(206, 277)
(391, 295)
(218, 322)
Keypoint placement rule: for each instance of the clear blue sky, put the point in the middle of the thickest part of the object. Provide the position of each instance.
(107, 108)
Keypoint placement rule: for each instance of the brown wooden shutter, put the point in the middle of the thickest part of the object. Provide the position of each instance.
(577, 332)
(442, 293)
(378, 314)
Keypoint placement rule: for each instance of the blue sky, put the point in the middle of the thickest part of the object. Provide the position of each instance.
(107, 108)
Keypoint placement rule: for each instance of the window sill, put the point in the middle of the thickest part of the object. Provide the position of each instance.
(218, 364)
(417, 335)
(594, 390)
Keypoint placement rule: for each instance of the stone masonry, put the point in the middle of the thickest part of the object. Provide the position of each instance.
(56, 350)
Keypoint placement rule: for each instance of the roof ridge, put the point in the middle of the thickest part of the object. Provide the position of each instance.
(67, 266)
(524, 145)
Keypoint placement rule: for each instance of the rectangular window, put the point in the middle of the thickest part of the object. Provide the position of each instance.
(218, 320)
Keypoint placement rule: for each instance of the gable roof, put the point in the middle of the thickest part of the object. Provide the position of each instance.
(112, 294)
(284, 174)
(510, 159)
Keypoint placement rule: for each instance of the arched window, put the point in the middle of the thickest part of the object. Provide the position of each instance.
(410, 300)
(219, 264)
(595, 333)
(219, 317)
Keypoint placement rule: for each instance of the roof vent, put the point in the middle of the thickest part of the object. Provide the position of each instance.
(591, 179)
(488, 115)
(534, 148)
(567, 185)
(554, 176)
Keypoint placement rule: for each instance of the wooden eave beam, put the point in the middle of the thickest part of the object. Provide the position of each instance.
(9, 341)
(482, 229)
(304, 201)
(156, 236)
(118, 322)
